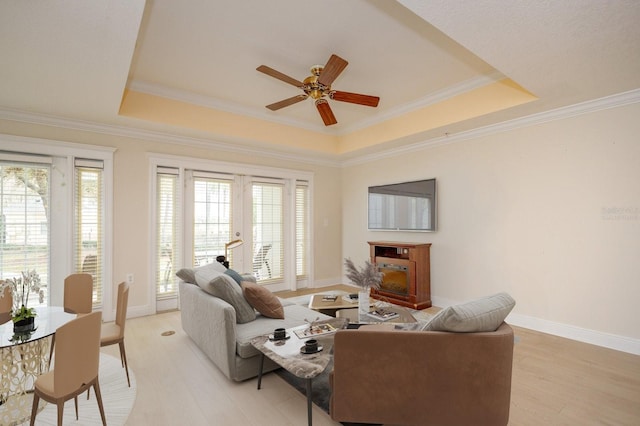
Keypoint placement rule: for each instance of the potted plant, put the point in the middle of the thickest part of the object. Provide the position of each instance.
(21, 288)
(366, 278)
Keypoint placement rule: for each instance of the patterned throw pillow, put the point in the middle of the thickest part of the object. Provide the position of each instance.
(484, 314)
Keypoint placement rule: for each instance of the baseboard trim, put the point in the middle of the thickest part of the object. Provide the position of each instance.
(139, 311)
(598, 338)
(325, 283)
(593, 337)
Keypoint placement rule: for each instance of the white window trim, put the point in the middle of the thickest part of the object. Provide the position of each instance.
(71, 150)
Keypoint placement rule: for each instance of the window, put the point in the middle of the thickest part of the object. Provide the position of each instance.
(212, 220)
(302, 229)
(24, 223)
(268, 231)
(89, 225)
(66, 196)
(167, 232)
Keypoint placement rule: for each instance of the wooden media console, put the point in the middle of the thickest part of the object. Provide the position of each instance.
(407, 273)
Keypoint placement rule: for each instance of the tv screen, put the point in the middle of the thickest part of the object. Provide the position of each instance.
(407, 206)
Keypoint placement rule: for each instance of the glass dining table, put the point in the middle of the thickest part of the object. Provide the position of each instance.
(23, 357)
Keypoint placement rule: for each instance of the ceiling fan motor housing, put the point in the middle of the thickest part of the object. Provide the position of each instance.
(312, 87)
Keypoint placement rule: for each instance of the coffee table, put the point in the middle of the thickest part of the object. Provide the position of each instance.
(353, 316)
(288, 355)
(330, 307)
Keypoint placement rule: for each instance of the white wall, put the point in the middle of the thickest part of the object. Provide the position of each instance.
(535, 212)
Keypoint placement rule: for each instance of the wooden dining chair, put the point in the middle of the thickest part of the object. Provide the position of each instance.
(113, 332)
(78, 298)
(77, 360)
(6, 304)
(78, 293)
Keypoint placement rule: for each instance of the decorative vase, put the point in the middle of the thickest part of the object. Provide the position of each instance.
(363, 302)
(24, 326)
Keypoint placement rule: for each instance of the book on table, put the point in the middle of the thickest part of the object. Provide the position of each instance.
(382, 314)
(315, 331)
(350, 298)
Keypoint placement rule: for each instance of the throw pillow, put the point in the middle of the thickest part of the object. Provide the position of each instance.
(188, 275)
(224, 287)
(263, 300)
(233, 274)
(248, 277)
(484, 314)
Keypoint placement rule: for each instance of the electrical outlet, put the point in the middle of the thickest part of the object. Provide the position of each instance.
(129, 278)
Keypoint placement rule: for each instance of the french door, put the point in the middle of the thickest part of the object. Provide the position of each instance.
(228, 208)
(259, 224)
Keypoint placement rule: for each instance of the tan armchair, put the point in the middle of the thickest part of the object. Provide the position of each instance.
(400, 377)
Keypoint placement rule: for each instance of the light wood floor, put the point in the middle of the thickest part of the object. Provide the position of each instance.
(556, 381)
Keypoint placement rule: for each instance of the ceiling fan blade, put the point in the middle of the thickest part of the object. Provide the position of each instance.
(355, 98)
(325, 112)
(286, 102)
(277, 74)
(335, 65)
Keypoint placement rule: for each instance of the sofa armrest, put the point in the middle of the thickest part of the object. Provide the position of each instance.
(211, 324)
(422, 377)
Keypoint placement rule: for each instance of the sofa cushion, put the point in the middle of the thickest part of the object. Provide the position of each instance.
(262, 300)
(485, 314)
(223, 286)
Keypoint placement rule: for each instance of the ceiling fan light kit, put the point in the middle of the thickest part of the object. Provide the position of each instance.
(318, 87)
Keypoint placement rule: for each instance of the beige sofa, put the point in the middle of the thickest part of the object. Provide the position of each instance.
(212, 325)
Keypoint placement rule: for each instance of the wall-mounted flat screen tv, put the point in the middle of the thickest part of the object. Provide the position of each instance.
(407, 206)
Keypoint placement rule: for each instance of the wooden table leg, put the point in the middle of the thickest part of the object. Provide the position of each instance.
(260, 372)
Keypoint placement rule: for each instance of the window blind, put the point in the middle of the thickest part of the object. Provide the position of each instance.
(302, 228)
(167, 232)
(268, 230)
(212, 218)
(89, 223)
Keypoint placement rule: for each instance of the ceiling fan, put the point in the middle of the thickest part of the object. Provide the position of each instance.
(318, 87)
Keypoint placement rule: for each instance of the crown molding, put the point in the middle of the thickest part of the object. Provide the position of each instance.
(220, 143)
(587, 107)
(226, 106)
(236, 145)
(209, 102)
(432, 98)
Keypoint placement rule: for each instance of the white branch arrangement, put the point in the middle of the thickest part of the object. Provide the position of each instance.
(21, 288)
(366, 277)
